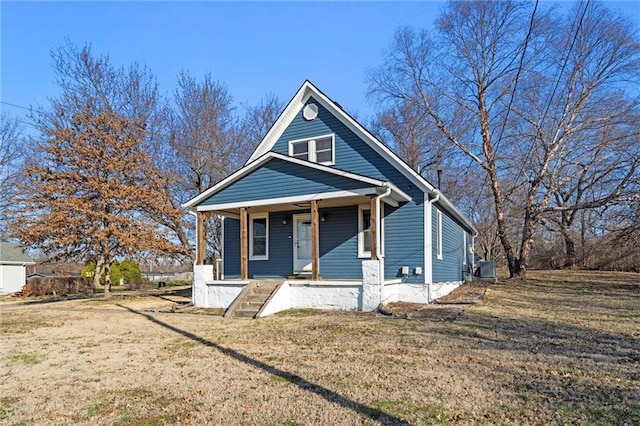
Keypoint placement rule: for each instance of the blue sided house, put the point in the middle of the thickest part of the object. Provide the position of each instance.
(324, 215)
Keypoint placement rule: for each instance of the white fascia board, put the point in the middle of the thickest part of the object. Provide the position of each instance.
(295, 104)
(225, 182)
(301, 97)
(271, 155)
(308, 90)
(289, 200)
(14, 262)
(397, 193)
(446, 204)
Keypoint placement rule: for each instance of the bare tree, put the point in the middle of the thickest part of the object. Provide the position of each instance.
(511, 86)
(210, 141)
(11, 142)
(259, 118)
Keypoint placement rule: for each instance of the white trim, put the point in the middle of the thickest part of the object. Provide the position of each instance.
(439, 234)
(289, 200)
(308, 90)
(252, 217)
(464, 248)
(312, 151)
(223, 250)
(428, 241)
(294, 219)
(398, 194)
(362, 254)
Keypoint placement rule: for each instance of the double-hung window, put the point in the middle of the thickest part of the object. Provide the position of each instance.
(259, 236)
(318, 150)
(439, 235)
(364, 231)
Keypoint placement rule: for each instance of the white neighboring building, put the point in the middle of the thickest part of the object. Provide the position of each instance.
(13, 267)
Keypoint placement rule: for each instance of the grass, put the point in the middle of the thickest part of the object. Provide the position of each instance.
(560, 348)
(25, 358)
(6, 403)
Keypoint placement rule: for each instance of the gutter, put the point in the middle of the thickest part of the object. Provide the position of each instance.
(379, 238)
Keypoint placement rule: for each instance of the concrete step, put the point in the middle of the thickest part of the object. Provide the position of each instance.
(253, 300)
(257, 297)
(245, 313)
(262, 291)
(249, 305)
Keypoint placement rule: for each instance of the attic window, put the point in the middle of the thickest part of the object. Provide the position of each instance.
(320, 149)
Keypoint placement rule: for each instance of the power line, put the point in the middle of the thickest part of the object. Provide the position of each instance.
(14, 105)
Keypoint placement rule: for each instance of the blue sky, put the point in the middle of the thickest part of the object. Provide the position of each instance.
(253, 48)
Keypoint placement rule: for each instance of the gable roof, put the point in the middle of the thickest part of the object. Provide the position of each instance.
(396, 193)
(12, 253)
(308, 90)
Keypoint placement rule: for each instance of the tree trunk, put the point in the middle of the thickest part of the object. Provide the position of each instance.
(107, 280)
(97, 275)
(570, 247)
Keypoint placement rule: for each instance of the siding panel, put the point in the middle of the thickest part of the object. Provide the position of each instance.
(231, 254)
(339, 244)
(404, 226)
(279, 178)
(449, 268)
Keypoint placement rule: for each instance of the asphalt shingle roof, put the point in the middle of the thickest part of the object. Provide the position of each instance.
(12, 252)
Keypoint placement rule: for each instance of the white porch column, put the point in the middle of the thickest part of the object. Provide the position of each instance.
(199, 292)
(371, 285)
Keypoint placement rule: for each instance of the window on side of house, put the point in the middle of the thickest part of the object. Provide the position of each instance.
(319, 150)
(464, 247)
(439, 234)
(364, 231)
(259, 236)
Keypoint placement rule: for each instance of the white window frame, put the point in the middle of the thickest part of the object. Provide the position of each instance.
(361, 251)
(464, 247)
(439, 235)
(312, 154)
(252, 217)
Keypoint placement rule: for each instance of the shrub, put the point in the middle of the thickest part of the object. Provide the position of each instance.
(58, 286)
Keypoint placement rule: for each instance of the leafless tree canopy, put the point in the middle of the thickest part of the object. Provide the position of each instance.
(11, 152)
(545, 104)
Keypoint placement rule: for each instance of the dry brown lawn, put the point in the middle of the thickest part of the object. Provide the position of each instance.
(561, 348)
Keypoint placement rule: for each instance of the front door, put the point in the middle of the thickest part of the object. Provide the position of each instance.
(302, 243)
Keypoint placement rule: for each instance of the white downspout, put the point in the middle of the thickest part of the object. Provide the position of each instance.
(436, 197)
(195, 259)
(379, 239)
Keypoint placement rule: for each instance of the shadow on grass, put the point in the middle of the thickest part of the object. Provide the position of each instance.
(568, 349)
(329, 395)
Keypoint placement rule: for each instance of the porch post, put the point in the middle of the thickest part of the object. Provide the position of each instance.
(244, 245)
(315, 246)
(200, 250)
(374, 230)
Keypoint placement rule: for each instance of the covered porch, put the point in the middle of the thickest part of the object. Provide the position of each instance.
(265, 227)
(292, 220)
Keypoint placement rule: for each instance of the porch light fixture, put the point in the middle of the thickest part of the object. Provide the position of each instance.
(285, 220)
(323, 217)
